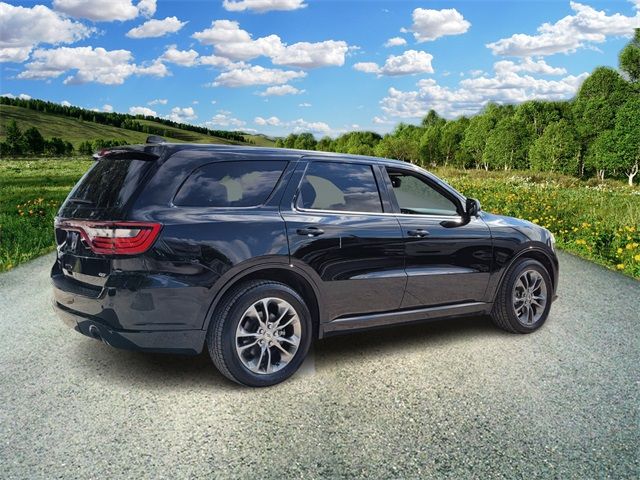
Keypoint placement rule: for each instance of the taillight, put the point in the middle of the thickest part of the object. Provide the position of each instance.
(114, 238)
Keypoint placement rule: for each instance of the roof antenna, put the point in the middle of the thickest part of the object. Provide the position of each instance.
(155, 139)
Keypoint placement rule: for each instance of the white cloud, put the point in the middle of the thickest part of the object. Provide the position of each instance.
(158, 101)
(472, 94)
(528, 65)
(256, 75)
(142, 111)
(382, 121)
(272, 121)
(224, 119)
(432, 24)
(311, 55)
(107, 108)
(220, 62)
(234, 43)
(262, 6)
(586, 27)
(90, 65)
(280, 90)
(156, 28)
(65, 103)
(300, 125)
(395, 42)
(22, 29)
(105, 10)
(304, 105)
(367, 67)
(409, 63)
(186, 58)
(182, 114)
(155, 69)
(22, 96)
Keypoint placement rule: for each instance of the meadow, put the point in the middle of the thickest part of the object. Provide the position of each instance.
(599, 221)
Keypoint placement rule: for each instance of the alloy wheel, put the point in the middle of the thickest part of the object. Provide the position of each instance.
(268, 335)
(529, 297)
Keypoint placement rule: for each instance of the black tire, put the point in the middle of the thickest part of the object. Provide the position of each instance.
(503, 313)
(221, 336)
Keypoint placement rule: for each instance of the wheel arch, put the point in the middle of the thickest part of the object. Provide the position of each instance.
(535, 253)
(294, 278)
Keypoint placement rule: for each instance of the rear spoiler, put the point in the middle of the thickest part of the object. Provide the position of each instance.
(124, 154)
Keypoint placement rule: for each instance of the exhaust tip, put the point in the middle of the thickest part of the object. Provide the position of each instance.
(95, 332)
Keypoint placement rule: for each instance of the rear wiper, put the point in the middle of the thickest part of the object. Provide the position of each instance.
(81, 200)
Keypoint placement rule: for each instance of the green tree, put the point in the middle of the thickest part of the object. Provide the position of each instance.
(475, 139)
(508, 145)
(430, 153)
(325, 144)
(85, 148)
(33, 141)
(55, 146)
(630, 58)
(627, 137)
(432, 118)
(290, 141)
(14, 139)
(557, 150)
(602, 157)
(305, 141)
(451, 139)
(398, 148)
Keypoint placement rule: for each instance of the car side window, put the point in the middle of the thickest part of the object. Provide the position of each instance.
(230, 184)
(348, 187)
(415, 196)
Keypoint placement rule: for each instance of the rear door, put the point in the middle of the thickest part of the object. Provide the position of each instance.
(447, 255)
(337, 226)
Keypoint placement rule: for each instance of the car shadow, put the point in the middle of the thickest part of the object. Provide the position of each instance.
(402, 337)
(151, 370)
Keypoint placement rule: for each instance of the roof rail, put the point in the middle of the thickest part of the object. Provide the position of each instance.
(155, 139)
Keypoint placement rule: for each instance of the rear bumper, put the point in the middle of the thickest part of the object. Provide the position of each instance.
(186, 342)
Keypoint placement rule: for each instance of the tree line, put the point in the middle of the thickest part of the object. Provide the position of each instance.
(120, 120)
(596, 133)
(31, 142)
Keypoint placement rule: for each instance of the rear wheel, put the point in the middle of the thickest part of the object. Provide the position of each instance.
(524, 298)
(260, 334)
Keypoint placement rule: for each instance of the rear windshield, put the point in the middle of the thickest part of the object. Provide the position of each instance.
(230, 184)
(109, 183)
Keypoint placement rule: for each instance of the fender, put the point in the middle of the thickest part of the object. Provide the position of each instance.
(232, 278)
(534, 247)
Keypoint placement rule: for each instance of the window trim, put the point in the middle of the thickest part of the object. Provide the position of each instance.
(287, 163)
(310, 161)
(429, 181)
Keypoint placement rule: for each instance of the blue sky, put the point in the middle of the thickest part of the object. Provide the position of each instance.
(277, 66)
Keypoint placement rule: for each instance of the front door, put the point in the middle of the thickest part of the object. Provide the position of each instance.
(447, 255)
(337, 227)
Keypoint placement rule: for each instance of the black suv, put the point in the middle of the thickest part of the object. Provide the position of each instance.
(255, 252)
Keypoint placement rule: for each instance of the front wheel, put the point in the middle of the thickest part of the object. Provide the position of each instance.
(260, 334)
(524, 297)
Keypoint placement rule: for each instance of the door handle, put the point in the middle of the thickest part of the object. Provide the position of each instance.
(419, 233)
(310, 231)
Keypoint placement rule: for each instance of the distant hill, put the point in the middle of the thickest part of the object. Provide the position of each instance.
(78, 125)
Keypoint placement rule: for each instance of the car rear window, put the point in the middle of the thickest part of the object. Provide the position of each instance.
(230, 184)
(109, 183)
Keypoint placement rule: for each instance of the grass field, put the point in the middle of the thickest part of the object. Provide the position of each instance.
(77, 131)
(600, 222)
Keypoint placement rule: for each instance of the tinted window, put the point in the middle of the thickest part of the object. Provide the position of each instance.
(416, 196)
(340, 186)
(230, 184)
(109, 183)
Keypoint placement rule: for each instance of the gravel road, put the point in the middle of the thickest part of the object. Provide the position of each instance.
(453, 399)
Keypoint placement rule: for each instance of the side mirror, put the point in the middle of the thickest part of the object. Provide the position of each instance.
(472, 208)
